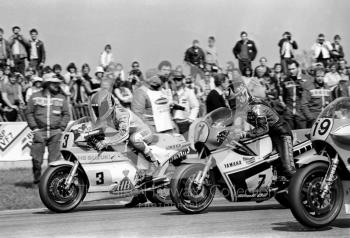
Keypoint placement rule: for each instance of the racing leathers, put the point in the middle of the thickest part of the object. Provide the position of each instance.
(128, 125)
(266, 121)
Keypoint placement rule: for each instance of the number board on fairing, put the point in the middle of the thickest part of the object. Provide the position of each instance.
(99, 177)
(321, 129)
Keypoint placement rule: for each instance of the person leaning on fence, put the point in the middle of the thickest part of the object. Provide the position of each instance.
(47, 116)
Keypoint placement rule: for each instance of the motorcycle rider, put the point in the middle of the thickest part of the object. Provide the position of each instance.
(106, 111)
(265, 120)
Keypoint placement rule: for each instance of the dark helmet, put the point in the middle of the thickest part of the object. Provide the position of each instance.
(102, 105)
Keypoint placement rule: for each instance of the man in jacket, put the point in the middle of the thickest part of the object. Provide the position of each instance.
(5, 51)
(292, 91)
(195, 58)
(337, 51)
(47, 116)
(287, 47)
(245, 51)
(18, 49)
(315, 97)
(322, 50)
(36, 50)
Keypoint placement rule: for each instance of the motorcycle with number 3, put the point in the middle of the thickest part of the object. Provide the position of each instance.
(87, 174)
(242, 170)
(317, 190)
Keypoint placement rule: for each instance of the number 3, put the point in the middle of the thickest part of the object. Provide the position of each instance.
(100, 178)
(65, 141)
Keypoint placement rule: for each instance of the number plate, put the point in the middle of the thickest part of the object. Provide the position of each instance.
(321, 128)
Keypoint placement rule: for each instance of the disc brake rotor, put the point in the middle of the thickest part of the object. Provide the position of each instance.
(58, 191)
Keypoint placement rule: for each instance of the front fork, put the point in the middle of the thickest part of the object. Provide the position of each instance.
(202, 174)
(330, 176)
(71, 174)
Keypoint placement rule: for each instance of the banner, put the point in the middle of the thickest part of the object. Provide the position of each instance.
(15, 141)
(161, 110)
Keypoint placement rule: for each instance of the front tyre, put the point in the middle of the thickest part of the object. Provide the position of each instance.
(53, 193)
(185, 193)
(304, 196)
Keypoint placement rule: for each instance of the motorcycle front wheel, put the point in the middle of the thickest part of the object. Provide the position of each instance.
(305, 201)
(185, 193)
(52, 189)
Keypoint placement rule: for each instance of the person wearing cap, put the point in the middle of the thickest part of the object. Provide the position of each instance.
(321, 50)
(245, 51)
(185, 97)
(47, 116)
(315, 97)
(195, 58)
(95, 83)
(12, 97)
(287, 48)
(142, 104)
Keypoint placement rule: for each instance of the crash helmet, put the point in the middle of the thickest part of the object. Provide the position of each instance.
(101, 105)
(240, 93)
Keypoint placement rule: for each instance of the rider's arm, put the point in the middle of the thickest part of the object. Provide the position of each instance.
(138, 104)
(194, 105)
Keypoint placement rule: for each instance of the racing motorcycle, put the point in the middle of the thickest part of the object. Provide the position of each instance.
(244, 170)
(316, 191)
(88, 174)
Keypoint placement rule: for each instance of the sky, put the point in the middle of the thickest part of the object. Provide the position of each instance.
(153, 30)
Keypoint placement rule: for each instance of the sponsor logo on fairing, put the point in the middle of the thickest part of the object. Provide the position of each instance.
(249, 160)
(233, 164)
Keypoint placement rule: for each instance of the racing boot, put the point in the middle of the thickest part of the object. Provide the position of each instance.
(287, 157)
(136, 200)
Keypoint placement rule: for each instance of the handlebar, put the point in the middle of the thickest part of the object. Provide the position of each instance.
(93, 133)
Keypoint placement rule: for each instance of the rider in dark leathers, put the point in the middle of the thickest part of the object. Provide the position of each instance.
(265, 121)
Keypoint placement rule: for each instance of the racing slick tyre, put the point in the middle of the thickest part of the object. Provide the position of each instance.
(185, 193)
(305, 201)
(282, 198)
(52, 189)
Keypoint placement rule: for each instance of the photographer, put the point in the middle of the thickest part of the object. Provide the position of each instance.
(322, 50)
(79, 89)
(18, 49)
(135, 76)
(287, 47)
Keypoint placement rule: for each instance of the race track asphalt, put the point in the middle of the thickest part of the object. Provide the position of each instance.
(222, 219)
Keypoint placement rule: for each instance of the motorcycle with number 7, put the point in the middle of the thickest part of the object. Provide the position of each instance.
(317, 191)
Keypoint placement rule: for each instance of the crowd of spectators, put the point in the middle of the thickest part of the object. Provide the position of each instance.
(298, 94)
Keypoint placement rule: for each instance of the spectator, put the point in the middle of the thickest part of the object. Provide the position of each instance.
(263, 67)
(57, 70)
(230, 66)
(315, 97)
(287, 47)
(292, 91)
(216, 98)
(279, 77)
(12, 97)
(123, 93)
(5, 51)
(332, 78)
(337, 49)
(258, 84)
(85, 72)
(247, 75)
(47, 131)
(7, 71)
(71, 73)
(135, 76)
(186, 98)
(36, 52)
(119, 73)
(96, 83)
(79, 89)
(211, 55)
(195, 58)
(343, 75)
(47, 69)
(164, 73)
(19, 52)
(3, 78)
(321, 50)
(37, 86)
(106, 56)
(24, 82)
(342, 64)
(245, 51)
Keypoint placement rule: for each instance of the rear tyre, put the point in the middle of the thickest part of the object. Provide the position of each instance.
(186, 195)
(53, 193)
(304, 195)
(282, 198)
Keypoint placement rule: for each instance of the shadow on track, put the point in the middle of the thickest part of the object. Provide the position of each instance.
(232, 209)
(25, 185)
(297, 227)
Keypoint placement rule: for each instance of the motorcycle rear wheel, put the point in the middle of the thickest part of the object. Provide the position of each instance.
(282, 198)
(53, 193)
(305, 203)
(187, 197)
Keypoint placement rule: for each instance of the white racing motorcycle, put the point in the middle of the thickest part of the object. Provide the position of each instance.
(318, 189)
(87, 174)
(240, 170)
